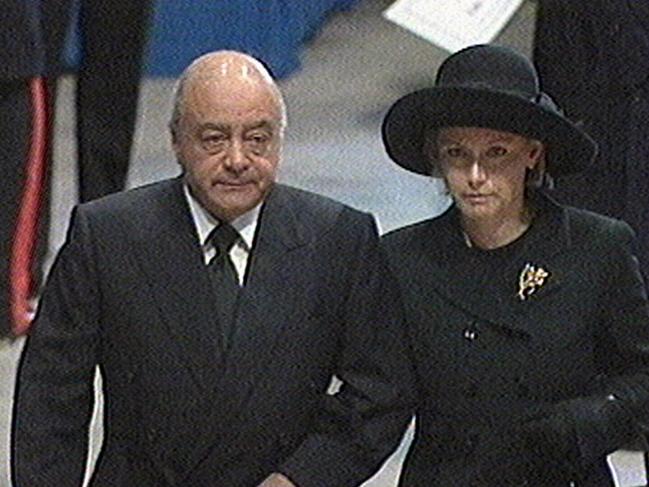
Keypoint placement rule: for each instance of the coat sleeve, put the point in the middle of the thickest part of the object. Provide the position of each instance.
(360, 425)
(618, 413)
(54, 394)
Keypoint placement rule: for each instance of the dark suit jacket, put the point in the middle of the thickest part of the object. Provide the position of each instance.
(129, 291)
(485, 359)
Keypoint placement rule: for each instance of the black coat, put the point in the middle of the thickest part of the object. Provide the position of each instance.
(573, 356)
(130, 292)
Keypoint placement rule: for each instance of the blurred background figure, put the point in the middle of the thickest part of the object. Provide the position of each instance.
(23, 154)
(593, 56)
(33, 37)
(112, 41)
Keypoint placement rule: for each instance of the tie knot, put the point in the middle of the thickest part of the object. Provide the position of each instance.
(223, 238)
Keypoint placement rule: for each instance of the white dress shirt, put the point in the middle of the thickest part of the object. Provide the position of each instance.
(245, 224)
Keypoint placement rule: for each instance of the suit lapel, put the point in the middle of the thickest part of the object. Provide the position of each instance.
(171, 259)
(493, 297)
(268, 299)
(265, 307)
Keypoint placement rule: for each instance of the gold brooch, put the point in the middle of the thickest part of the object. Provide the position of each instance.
(531, 279)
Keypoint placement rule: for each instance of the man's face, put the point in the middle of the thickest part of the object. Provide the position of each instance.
(228, 142)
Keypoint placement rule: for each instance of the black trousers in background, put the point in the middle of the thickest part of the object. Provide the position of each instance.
(113, 42)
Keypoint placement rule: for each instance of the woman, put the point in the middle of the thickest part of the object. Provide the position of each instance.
(528, 321)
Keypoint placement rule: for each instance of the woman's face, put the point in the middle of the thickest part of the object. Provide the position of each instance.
(485, 169)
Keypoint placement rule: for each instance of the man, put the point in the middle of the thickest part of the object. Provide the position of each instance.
(216, 357)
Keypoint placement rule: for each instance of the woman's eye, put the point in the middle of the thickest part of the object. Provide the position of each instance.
(497, 151)
(453, 152)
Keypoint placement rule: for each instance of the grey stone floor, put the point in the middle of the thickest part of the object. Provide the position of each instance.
(351, 72)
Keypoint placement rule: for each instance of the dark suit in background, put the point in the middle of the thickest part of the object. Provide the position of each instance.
(593, 56)
(113, 39)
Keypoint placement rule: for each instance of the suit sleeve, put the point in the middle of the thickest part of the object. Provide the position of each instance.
(54, 393)
(619, 410)
(362, 423)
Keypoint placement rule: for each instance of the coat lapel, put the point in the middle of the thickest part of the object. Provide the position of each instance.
(171, 259)
(494, 297)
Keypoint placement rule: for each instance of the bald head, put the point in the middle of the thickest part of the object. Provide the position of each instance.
(231, 73)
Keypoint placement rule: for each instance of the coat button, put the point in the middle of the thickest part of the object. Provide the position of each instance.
(470, 332)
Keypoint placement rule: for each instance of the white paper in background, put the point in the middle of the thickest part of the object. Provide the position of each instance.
(453, 24)
(628, 468)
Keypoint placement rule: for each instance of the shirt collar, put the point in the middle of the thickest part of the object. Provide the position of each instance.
(245, 224)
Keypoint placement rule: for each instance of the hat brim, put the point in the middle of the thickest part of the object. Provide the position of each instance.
(569, 149)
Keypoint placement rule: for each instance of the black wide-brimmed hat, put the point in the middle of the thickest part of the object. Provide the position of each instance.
(492, 87)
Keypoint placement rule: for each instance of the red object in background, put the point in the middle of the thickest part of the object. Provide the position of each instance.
(25, 237)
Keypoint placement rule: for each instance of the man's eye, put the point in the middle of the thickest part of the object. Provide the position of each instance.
(212, 142)
(258, 138)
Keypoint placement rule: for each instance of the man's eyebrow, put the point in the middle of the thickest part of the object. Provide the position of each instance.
(261, 124)
(215, 126)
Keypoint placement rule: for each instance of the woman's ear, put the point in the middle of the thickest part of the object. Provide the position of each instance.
(536, 155)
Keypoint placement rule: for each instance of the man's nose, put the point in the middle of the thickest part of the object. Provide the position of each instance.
(237, 160)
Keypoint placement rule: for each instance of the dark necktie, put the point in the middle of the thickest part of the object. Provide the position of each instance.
(224, 278)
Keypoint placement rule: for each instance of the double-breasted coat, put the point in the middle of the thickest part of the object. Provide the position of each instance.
(485, 359)
(129, 292)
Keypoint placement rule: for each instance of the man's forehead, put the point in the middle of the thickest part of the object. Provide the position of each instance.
(225, 126)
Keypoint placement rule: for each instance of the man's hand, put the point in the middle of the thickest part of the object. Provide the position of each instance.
(277, 480)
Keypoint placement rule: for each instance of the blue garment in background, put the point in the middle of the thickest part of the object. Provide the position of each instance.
(271, 30)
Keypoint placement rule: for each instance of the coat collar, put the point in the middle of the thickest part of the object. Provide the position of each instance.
(493, 297)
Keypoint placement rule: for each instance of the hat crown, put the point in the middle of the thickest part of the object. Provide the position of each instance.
(491, 68)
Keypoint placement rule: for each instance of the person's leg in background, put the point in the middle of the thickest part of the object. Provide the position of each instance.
(114, 38)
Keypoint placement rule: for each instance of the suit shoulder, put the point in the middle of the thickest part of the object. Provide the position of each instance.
(131, 200)
(317, 207)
